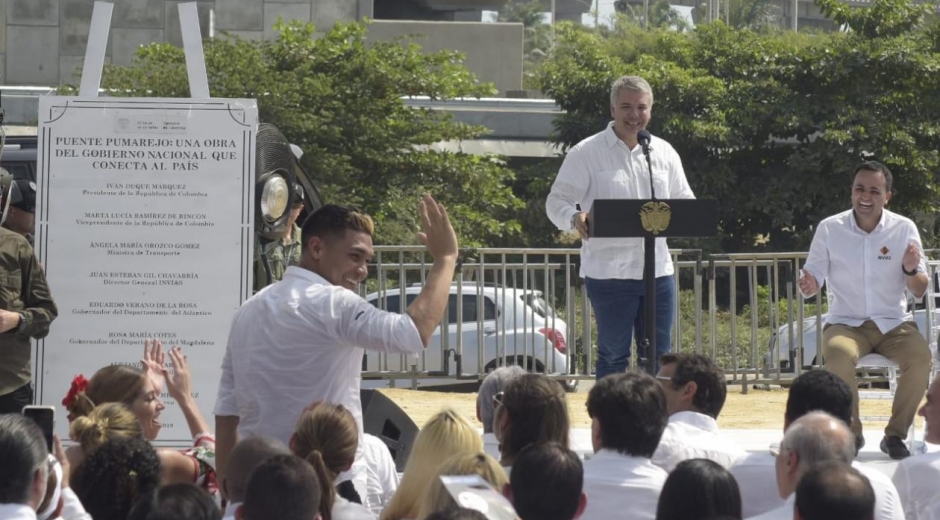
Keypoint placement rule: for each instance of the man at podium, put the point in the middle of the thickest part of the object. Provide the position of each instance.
(611, 165)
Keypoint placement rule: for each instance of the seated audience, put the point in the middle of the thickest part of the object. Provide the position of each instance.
(629, 414)
(437, 498)
(446, 434)
(532, 410)
(381, 473)
(813, 439)
(494, 383)
(113, 477)
(699, 489)
(695, 394)
(816, 390)
(24, 460)
(546, 483)
(834, 491)
(140, 389)
(176, 502)
(326, 436)
(245, 457)
(916, 477)
(283, 487)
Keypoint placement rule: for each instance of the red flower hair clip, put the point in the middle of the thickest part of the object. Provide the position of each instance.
(79, 385)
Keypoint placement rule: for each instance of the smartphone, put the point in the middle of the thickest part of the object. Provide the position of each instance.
(472, 492)
(45, 418)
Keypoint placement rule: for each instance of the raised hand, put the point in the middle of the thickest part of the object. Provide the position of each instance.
(179, 384)
(437, 233)
(153, 363)
(807, 283)
(911, 259)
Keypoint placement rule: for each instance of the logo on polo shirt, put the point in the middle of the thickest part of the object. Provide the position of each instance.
(884, 253)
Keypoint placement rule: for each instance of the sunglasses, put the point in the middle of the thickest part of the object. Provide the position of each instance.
(498, 399)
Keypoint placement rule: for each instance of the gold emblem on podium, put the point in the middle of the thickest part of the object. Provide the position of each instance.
(655, 216)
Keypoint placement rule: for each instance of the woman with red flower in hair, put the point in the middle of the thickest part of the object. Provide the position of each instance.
(139, 390)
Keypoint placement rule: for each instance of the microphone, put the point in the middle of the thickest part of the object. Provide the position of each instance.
(643, 138)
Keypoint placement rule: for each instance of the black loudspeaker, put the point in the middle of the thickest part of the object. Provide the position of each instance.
(384, 419)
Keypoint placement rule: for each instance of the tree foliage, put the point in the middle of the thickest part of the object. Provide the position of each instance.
(771, 124)
(340, 99)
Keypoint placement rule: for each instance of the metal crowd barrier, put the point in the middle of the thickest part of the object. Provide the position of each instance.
(744, 337)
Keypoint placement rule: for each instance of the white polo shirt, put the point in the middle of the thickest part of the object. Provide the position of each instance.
(863, 270)
(603, 167)
(693, 435)
(916, 479)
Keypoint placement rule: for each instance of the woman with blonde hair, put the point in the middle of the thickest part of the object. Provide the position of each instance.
(105, 422)
(437, 497)
(447, 433)
(139, 390)
(326, 437)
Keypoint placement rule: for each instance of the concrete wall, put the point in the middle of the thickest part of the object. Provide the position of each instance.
(493, 50)
(42, 42)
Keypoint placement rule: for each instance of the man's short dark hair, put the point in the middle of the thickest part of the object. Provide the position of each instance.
(245, 457)
(875, 166)
(631, 409)
(699, 488)
(333, 221)
(22, 452)
(283, 487)
(822, 391)
(175, 502)
(546, 482)
(115, 476)
(835, 491)
(709, 379)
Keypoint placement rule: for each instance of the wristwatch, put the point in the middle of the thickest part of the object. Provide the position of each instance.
(575, 216)
(21, 326)
(909, 273)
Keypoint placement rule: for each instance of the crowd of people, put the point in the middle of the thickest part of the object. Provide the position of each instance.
(657, 454)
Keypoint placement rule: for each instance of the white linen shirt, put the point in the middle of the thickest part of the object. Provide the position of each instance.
(617, 483)
(298, 341)
(757, 480)
(784, 512)
(603, 167)
(863, 270)
(693, 435)
(916, 480)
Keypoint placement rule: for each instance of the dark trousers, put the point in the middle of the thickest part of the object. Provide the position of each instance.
(16, 400)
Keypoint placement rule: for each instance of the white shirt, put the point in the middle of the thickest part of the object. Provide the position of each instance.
(617, 483)
(602, 167)
(784, 512)
(301, 340)
(345, 510)
(916, 480)
(757, 480)
(693, 435)
(72, 508)
(863, 270)
(16, 512)
(381, 475)
(491, 445)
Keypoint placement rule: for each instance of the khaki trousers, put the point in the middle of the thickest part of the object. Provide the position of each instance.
(844, 345)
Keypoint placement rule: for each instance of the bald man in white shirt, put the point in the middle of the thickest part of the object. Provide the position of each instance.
(917, 477)
(301, 339)
(610, 165)
(870, 257)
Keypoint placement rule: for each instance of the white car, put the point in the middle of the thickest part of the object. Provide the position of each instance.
(788, 354)
(516, 327)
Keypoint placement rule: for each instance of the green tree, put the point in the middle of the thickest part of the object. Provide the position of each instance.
(340, 100)
(771, 124)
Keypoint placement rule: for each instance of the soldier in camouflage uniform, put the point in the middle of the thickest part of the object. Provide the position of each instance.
(283, 252)
(26, 311)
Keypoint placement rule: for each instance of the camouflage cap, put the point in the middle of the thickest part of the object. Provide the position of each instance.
(21, 192)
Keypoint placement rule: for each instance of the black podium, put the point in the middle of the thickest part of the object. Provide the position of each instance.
(651, 219)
